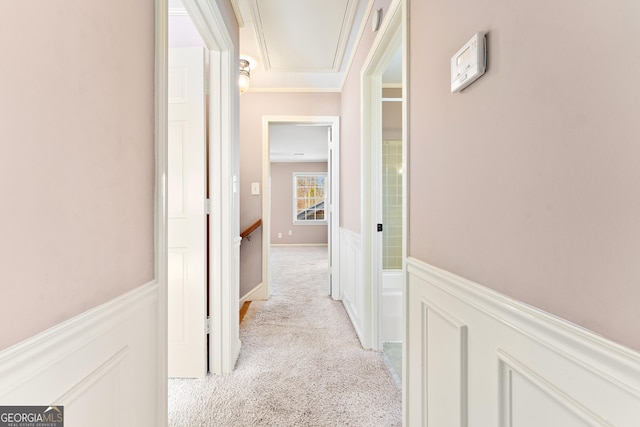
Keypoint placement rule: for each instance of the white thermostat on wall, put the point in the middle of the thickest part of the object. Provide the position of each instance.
(468, 63)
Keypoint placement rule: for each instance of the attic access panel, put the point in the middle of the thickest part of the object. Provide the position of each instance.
(303, 36)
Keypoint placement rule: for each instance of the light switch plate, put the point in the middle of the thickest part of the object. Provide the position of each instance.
(255, 188)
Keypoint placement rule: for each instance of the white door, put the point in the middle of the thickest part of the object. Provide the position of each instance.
(186, 214)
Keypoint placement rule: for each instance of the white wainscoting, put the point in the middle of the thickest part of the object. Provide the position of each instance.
(475, 357)
(102, 365)
(351, 278)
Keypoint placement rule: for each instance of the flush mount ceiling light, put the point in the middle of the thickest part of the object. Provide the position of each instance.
(245, 75)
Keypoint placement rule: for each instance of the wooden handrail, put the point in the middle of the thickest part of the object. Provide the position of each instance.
(251, 228)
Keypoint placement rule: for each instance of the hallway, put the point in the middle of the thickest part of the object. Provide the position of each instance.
(301, 363)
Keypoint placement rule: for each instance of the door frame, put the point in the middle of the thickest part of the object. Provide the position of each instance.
(160, 225)
(224, 220)
(391, 36)
(334, 207)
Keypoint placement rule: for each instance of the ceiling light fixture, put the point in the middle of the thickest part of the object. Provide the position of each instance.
(245, 75)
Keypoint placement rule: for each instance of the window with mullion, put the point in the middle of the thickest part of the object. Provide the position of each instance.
(309, 193)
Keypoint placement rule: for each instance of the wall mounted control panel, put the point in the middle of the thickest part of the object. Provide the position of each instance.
(469, 63)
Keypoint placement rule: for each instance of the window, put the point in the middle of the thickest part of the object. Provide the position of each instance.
(309, 198)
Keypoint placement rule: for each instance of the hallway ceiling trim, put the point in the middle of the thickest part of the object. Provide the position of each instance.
(300, 45)
(308, 36)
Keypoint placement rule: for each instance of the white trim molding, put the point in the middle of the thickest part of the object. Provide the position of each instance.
(224, 158)
(105, 357)
(178, 11)
(160, 225)
(390, 38)
(334, 204)
(475, 354)
(252, 295)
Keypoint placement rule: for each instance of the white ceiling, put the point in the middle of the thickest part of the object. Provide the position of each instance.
(298, 142)
(299, 44)
(392, 76)
(294, 45)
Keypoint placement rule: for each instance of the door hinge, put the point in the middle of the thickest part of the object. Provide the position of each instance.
(207, 325)
(206, 87)
(379, 227)
(207, 206)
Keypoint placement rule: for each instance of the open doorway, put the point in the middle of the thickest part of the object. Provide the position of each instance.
(384, 206)
(391, 210)
(307, 213)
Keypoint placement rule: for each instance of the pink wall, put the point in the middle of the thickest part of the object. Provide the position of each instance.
(528, 180)
(253, 106)
(226, 9)
(282, 206)
(77, 187)
(350, 131)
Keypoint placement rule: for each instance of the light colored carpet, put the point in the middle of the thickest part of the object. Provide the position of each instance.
(301, 363)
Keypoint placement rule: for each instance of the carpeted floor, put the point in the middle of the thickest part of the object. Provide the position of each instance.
(301, 363)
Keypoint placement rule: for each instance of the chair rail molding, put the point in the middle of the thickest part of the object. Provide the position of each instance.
(503, 362)
(103, 357)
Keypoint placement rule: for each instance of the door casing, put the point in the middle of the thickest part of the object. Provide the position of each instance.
(224, 222)
(391, 36)
(334, 179)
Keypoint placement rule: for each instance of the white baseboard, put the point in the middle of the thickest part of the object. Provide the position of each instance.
(474, 355)
(253, 295)
(104, 358)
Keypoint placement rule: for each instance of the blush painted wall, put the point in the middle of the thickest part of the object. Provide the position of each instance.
(229, 17)
(77, 163)
(350, 189)
(282, 206)
(253, 106)
(528, 180)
